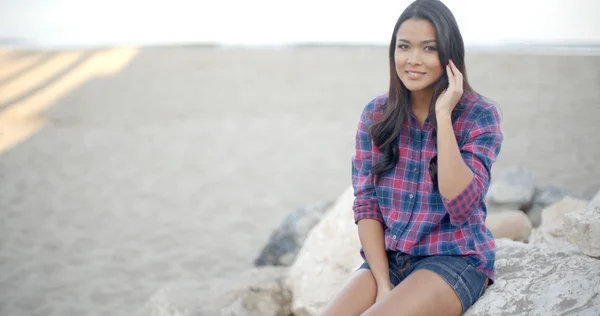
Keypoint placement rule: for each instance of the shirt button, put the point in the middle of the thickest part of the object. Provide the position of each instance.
(415, 169)
(410, 196)
(394, 237)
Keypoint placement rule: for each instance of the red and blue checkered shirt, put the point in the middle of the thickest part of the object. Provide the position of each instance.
(417, 219)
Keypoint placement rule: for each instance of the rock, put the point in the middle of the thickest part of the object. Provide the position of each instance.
(537, 280)
(511, 224)
(582, 228)
(161, 304)
(595, 201)
(511, 188)
(544, 197)
(535, 216)
(551, 230)
(262, 292)
(551, 194)
(329, 256)
(285, 242)
(179, 297)
(532, 279)
(552, 217)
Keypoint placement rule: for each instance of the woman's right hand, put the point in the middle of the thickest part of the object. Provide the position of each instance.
(383, 288)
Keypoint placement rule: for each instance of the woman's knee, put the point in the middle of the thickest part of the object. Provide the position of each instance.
(421, 293)
(355, 297)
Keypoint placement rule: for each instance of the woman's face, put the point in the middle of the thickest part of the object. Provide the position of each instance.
(416, 56)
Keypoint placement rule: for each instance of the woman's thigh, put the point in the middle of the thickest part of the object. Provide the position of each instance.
(466, 281)
(436, 285)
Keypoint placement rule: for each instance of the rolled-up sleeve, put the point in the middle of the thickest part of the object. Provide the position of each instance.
(480, 151)
(365, 202)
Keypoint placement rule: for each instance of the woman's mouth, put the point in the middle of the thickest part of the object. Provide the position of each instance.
(415, 75)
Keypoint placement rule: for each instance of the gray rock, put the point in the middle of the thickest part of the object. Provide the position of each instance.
(286, 241)
(511, 188)
(535, 280)
(595, 201)
(544, 197)
(160, 304)
(262, 292)
(177, 297)
(551, 194)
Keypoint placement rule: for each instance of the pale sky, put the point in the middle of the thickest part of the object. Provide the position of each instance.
(482, 22)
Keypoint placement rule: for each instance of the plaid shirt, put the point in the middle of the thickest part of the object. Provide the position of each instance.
(417, 219)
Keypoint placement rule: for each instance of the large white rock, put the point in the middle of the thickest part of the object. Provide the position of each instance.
(328, 257)
(537, 280)
(553, 216)
(583, 229)
(551, 231)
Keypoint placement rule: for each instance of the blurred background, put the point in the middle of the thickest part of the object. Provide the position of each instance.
(151, 146)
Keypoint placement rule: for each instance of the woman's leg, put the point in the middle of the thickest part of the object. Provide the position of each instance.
(437, 285)
(421, 293)
(356, 296)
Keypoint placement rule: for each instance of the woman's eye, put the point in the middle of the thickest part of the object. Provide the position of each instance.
(430, 48)
(403, 46)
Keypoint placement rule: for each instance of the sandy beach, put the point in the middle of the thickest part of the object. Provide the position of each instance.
(125, 171)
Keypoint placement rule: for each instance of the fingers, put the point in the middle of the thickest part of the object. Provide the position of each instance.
(451, 79)
(456, 74)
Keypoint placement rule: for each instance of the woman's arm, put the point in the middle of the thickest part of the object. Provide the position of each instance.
(453, 173)
(464, 173)
(371, 236)
(367, 214)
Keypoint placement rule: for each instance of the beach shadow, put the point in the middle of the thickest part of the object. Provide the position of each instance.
(32, 82)
(39, 60)
(31, 69)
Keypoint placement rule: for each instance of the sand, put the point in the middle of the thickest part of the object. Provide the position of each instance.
(171, 170)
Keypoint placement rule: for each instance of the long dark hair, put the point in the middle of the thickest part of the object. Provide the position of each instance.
(386, 129)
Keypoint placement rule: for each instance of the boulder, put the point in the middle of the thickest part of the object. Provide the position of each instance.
(539, 280)
(582, 228)
(286, 241)
(551, 230)
(511, 188)
(511, 224)
(329, 256)
(258, 292)
(595, 201)
(161, 304)
(545, 197)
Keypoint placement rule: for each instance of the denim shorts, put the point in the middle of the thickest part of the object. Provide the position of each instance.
(468, 282)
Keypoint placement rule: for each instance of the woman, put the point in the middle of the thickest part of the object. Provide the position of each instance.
(424, 153)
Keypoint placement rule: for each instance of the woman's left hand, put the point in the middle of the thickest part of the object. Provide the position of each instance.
(450, 97)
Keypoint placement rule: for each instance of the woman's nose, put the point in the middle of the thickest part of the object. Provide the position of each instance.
(414, 61)
(414, 58)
